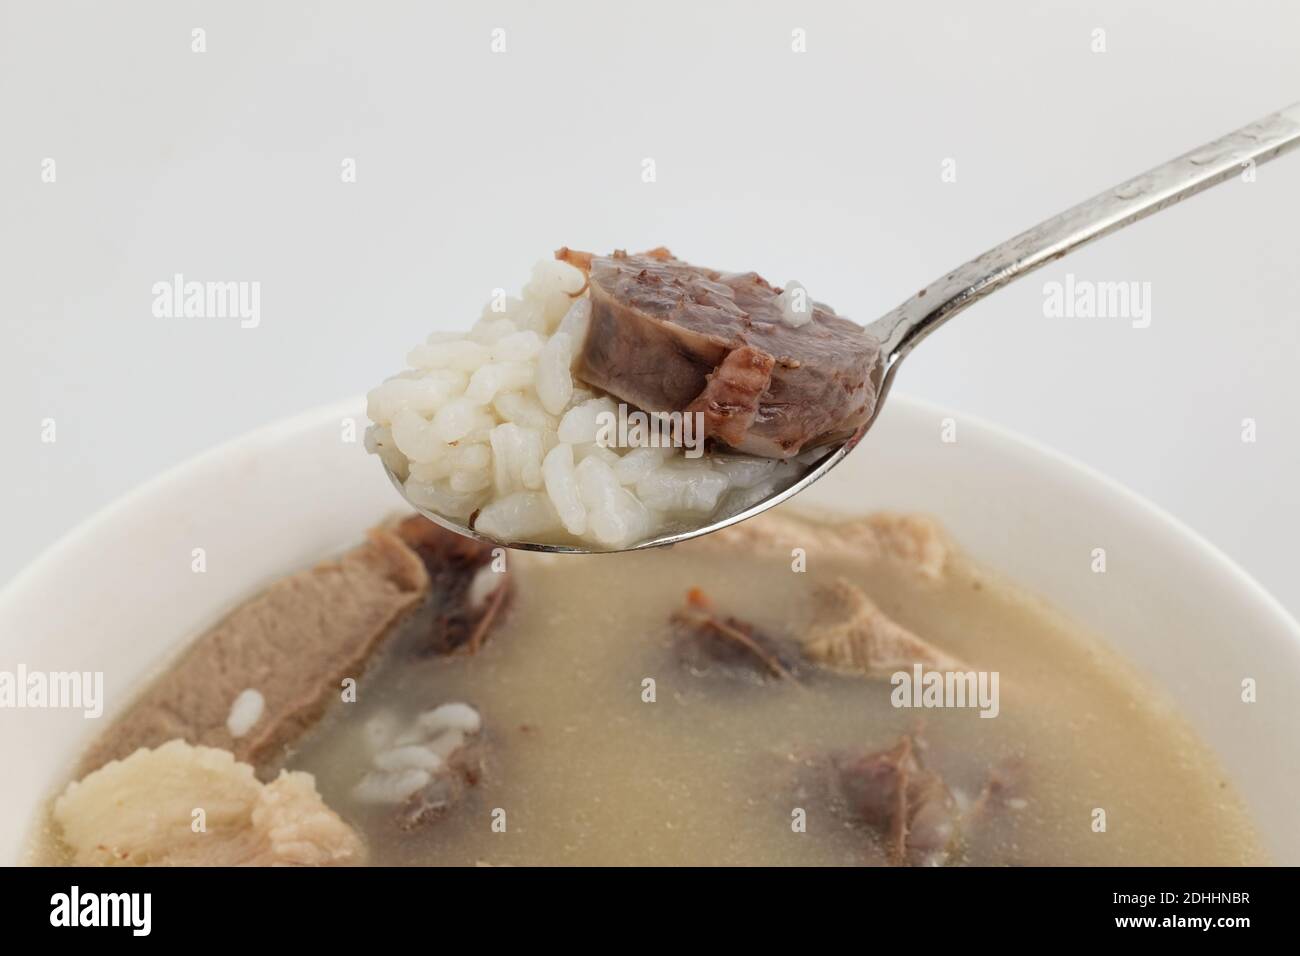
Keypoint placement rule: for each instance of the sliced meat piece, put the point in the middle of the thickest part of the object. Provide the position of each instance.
(293, 644)
(708, 642)
(469, 593)
(912, 808)
(140, 812)
(664, 336)
(911, 541)
(732, 397)
(851, 634)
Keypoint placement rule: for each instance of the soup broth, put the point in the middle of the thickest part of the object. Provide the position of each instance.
(589, 763)
(607, 739)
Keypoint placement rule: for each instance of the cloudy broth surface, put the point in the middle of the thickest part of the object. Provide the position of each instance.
(602, 747)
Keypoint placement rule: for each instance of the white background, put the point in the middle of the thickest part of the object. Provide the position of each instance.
(822, 166)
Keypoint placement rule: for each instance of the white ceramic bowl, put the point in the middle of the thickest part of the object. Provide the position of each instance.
(119, 595)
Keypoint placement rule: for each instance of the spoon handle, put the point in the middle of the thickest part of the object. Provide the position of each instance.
(901, 329)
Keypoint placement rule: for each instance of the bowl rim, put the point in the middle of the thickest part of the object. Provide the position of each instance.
(127, 501)
(1170, 526)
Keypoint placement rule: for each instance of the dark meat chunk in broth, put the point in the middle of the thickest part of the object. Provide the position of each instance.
(667, 336)
(911, 806)
(468, 594)
(921, 816)
(708, 643)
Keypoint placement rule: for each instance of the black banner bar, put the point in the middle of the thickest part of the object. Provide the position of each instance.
(206, 906)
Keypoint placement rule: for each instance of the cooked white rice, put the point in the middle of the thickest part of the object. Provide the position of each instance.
(405, 760)
(493, 421)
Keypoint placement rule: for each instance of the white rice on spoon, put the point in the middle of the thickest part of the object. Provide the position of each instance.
(493, 421)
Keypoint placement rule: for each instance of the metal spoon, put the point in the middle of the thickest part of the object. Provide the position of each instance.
(900, 330)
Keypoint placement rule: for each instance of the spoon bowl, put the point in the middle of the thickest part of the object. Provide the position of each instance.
(720, 519)
(902, 329)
